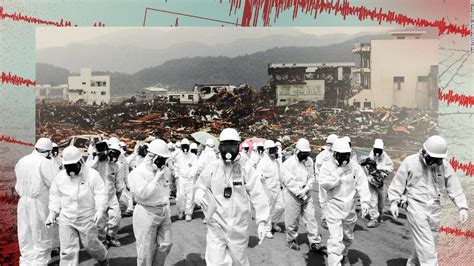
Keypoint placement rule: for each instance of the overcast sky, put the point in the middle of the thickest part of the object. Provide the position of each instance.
(47, 37)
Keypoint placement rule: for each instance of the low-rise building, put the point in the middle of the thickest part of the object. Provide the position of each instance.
(184, 97)
(51, 93)
(401, 71)
(89, 89)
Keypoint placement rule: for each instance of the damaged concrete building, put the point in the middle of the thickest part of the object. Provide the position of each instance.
(329, 82)
(88, 88)
(401, 71)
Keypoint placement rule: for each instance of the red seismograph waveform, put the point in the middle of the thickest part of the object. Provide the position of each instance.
(28, 19)
(14, 141)
(451, 97)
(467, 168)
(251, 12)
(16, 80)
(456, 232)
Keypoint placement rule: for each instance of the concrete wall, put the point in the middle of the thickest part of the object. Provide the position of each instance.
(86, 87)
(287, 94)
(408, 58)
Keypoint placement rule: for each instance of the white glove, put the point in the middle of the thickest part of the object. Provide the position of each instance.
(365, 208)
(404, 201)
(463, 216)
(199, 198)
(394, 209)
(262, 231)
(98, 217)
(52, 218)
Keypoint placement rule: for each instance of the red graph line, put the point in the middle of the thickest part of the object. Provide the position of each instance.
(187, 15)
(251, 12)
(14, 141)
(16, 80)
(459, 99)
(467, 168)
(28, 19)
(456, 232)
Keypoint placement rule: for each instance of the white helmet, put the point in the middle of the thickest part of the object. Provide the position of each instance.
(115, 146)
(44, 144)
(113, 140)
(331, 138)
(269, 144)
(341, 146)
(260, 144)
(378, 144)
(55, 145)
(185, 141)
(245, 145)
(347, 138)
(178, 144)
(278, 144)
(303, 145)
(436, 147)
(210, 143)
(229, 134)
(170, 145)
(123, 145)
(193, 146)
(71, 155)
(159, 147)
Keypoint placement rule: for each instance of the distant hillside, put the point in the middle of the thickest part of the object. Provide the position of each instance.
(181, 74)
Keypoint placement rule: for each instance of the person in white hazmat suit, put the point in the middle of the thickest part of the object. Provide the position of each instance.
(353, 153)
(257, 154)
(193, 148)
(298, 178)
(134, 160)
(149, 184)
(418, 184)
(231, 186)
(343, 179)
(324, 156)
(186, 165)
(269, 172)
(57, 162)
(34, 174)
(104, 160)
(207, 157)
(280, 150)
(77, 203)
(245, 153)
(377, 166)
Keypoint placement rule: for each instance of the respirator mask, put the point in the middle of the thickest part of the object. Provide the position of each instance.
(302, 155)
(273, 152)
(113, 155)
(246, 149)
(159, 161)
(377, 152)
(260, 149)
(431, 161)
(143, 150)
(342, 158)
(185, 148)
(229, 150)
(74, 169)
(55, 152)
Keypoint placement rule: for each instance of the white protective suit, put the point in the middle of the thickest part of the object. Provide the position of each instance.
(423, 185)
(34, 174)
(227, 236)
(269, 172)
(207, 157)
(109, 173)
(58, 164)
(185, 165)
(255, 158)
(77, 200)
(151, 217)
(377, 200)
(297, 175)
(321, 158)
(342, 184)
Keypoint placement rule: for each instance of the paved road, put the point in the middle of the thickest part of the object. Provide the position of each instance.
(388, 244)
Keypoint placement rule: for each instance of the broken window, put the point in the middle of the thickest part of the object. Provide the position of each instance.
(397, 82)
(356, 104)
(190, 97)
(367, 104)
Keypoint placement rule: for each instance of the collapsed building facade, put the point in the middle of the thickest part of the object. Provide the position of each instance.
(328, 82)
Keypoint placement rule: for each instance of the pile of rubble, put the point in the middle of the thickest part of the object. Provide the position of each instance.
(251, 115)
